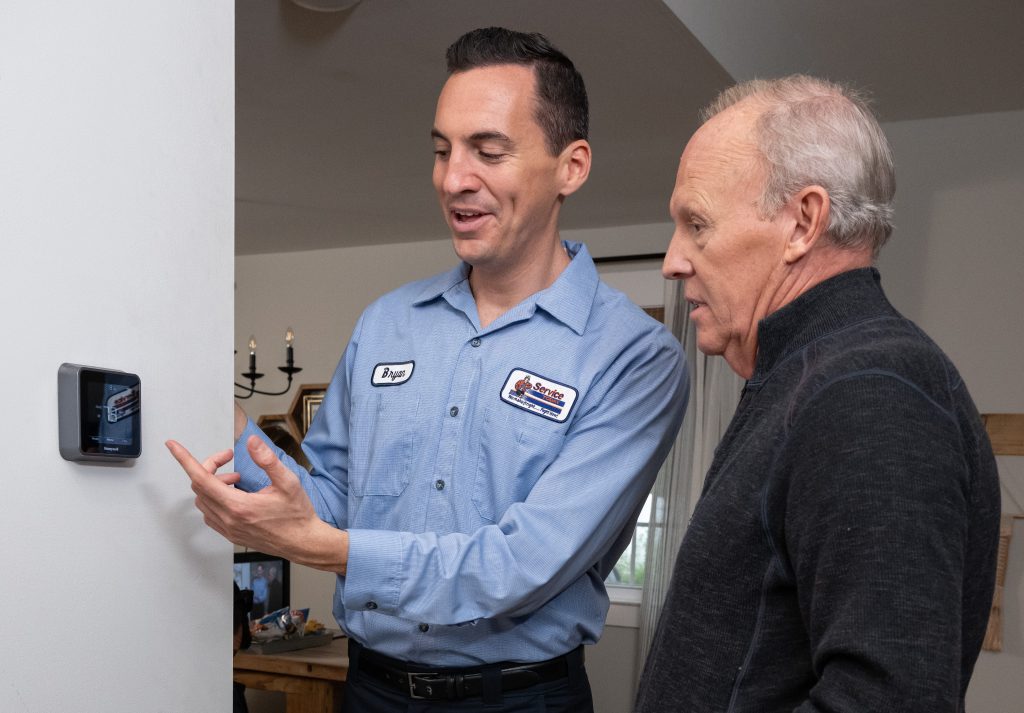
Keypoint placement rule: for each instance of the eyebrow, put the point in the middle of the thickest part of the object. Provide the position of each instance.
(478, 137)
(481, 136)
(687, 207)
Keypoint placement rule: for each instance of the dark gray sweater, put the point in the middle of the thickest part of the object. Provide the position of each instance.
(842, 555)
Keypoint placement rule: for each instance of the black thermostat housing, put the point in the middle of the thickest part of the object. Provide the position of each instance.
(99, 413)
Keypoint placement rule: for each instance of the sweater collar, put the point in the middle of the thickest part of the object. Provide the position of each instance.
(829, 306)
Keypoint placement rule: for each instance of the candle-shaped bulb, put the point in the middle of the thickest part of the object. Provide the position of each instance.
(289, 355)
(252, 354)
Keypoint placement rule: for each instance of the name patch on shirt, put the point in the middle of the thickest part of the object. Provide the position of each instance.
(392, 374)
(538, 395)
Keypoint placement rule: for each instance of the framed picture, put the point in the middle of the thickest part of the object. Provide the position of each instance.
(269, 578)
(305, 405)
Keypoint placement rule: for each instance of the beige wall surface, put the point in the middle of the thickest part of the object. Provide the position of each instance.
(954, 266)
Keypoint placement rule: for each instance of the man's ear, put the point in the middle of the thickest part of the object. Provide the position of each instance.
(810, 210)
(574, 166)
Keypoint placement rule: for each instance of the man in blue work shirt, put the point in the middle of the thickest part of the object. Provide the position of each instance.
(490, 434)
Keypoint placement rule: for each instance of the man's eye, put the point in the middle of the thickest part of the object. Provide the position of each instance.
(441, 153)
(487, 156)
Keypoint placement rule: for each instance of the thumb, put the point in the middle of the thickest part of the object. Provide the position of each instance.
(265, 458)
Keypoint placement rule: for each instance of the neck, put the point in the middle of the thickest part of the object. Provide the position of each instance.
(496, 289)
(821, 264)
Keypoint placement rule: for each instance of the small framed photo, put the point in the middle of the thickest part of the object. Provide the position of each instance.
(305, 405)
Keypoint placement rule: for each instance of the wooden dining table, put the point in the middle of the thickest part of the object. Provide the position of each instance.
(313, 679)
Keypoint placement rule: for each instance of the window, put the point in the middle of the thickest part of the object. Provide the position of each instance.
(642, 282)
(629, 570)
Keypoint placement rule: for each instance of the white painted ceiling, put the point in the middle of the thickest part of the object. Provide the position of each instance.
(334, 110)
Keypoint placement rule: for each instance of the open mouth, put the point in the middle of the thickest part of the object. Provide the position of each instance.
(466, 218)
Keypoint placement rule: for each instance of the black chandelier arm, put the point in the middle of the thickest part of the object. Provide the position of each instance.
(252, 376)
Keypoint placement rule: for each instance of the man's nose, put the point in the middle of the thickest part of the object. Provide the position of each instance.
(677, 265)
(460, 174)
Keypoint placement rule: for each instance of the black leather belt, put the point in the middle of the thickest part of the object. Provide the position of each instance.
(455, 684)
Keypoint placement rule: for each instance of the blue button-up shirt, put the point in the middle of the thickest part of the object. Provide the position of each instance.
(489, 478)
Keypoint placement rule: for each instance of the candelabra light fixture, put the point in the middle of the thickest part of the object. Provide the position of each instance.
(252, 375)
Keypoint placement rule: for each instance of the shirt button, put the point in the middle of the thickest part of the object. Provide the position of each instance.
(475, 342)
(454, 411)
(371, 605)
(439, 484)
(424, 628)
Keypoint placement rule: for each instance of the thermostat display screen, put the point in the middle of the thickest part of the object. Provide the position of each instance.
(110, 405)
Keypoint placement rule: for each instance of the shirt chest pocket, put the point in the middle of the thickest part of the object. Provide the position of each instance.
(383, 442)
(515, 450)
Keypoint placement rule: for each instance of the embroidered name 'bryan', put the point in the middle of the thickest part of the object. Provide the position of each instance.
(392, 374)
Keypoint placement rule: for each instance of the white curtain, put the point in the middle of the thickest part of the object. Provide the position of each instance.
(714, 394)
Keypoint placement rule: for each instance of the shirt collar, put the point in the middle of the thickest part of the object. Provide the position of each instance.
(571, 296)
(829, 306)
(436, 286)
(568, 300)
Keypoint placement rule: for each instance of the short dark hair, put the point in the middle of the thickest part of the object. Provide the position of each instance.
(562, 112)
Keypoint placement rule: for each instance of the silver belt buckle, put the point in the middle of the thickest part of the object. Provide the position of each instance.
(412, 684)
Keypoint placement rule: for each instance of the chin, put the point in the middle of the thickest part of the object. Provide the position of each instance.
(462, 243)
(709, 346)
(468, 251)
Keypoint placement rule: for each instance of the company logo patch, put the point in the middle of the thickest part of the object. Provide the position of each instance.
(392, 374)
(538, 395)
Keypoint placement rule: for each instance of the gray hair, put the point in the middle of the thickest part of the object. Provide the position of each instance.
(815, 132)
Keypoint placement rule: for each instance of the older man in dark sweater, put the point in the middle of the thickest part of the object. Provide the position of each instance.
(842, 555)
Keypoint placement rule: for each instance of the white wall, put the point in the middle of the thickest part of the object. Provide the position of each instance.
(116, 221)
(957, 255)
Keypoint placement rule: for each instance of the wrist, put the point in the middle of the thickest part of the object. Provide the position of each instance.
(326, 549)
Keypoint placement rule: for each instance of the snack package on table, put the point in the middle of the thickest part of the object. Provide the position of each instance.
(281, 624)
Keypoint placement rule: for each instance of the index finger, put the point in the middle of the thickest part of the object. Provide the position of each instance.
(192, 467)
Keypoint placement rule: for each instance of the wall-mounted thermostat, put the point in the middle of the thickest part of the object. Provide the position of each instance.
(99, 413)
